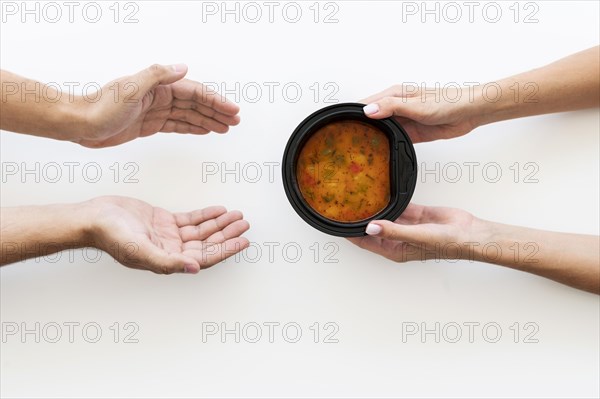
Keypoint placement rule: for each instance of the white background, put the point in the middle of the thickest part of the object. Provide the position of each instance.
(367, 297)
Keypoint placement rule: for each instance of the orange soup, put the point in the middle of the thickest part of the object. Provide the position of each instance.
(343, 171)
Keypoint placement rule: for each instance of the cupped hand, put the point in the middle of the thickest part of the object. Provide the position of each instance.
(422, 233)
(156, 99)
(426, 116)
(142, 236)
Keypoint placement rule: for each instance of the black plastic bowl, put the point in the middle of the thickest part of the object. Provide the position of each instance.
(403, 168)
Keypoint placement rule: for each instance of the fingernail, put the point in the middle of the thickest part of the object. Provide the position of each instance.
(371, 109)
(178, 67)
(191, 269)
(373, 229)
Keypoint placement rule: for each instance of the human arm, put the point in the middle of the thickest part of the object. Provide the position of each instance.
(568, 84)
(156, 99)
(135, 233)
(422, 233)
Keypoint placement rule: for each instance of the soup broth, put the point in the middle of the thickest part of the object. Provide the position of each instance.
(343, 171)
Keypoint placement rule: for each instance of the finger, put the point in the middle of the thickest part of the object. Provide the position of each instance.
(233, 230)
(209, 227)
(412, 214)
(207, 111)
(198, 216)
(174, 126)
(213, 253)
(201, 94)
(196, 118)
(149, 256)
(397, 232)
(155, 75)
(390, 106)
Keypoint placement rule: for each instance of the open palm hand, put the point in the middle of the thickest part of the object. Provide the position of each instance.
(142, 236)
(156, 99)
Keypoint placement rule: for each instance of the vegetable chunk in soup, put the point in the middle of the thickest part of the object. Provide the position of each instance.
(343, 171)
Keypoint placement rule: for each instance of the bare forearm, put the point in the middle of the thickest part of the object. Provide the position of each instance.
(568, 84)
(30, 107)
(571, 259)
(32, 231)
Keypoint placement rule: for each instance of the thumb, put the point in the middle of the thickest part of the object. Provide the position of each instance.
(389, 106)
(155, 75)
(413, 234)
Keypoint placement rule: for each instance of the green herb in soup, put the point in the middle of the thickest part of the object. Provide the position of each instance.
(343, 171)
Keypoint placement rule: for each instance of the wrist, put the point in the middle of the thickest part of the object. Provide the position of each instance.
(79, 221)
(467, 111)
(481, 110)
(82, 219)
(69, 118)
(493, 102)
(496, 243)
(481, 233)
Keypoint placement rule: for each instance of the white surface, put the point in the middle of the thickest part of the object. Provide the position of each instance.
(369, 298)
